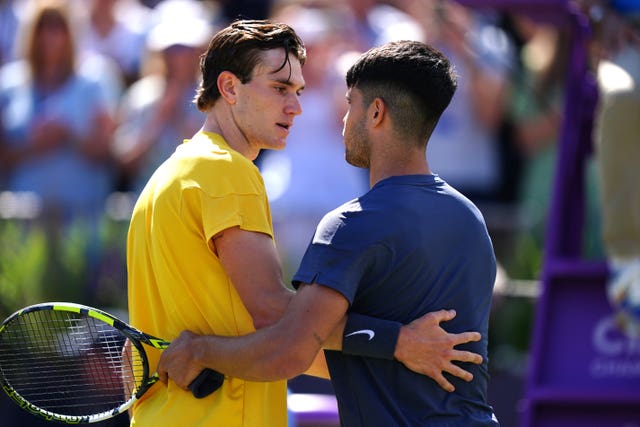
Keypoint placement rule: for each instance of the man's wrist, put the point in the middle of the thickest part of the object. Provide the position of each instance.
(370, 337)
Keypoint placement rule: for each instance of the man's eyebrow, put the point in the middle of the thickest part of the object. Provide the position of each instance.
(286, 82)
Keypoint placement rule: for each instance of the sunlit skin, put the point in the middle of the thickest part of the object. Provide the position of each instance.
(354, 131)
(258, 114)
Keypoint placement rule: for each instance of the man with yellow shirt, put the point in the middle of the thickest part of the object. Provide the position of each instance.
(201, 254)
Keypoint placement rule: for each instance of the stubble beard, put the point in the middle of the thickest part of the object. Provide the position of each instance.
(357, 147)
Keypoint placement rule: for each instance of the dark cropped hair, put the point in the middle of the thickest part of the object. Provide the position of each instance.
(414, 79)
(237, 49)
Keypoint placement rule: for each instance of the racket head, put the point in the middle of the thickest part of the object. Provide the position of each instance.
(66, 362)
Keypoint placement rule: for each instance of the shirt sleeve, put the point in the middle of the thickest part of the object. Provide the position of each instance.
(229, 194)
(249, 212)
(341, 257)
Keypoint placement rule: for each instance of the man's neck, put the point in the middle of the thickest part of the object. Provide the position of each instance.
(396, 163)
(222, 123)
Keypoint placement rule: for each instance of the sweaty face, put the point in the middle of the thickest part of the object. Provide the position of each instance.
(268, 103)
(354, 131)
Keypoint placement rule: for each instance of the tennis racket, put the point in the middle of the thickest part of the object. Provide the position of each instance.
(69, 362)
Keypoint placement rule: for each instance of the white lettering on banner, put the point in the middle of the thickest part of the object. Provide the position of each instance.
(617, 355)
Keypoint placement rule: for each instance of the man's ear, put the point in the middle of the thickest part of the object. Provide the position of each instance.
(377, 111)
(227, 82)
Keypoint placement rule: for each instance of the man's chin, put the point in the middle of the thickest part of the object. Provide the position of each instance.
(277, 145)
(357, 163)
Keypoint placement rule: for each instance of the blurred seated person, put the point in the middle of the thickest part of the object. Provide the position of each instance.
(56, 126)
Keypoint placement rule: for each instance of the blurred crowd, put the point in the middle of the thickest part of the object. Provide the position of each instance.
(95, 94)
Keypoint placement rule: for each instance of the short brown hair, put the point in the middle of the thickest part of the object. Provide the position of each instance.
(50, 12)
(236, 49)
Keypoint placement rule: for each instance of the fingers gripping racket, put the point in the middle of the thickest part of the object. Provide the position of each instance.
(77, 364)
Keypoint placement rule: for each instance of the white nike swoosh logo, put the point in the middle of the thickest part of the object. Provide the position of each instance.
(363, 331)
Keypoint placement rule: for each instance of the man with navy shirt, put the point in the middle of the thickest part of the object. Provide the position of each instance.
(410, 245)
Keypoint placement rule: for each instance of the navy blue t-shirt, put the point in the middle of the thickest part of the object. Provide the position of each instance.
(409, 246)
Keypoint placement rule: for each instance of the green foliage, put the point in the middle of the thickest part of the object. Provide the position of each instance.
(41, 261)
(23, 255)
(526, 260)
(510, 329)
(110, 287)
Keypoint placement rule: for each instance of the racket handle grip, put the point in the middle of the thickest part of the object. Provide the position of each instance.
(206, 383)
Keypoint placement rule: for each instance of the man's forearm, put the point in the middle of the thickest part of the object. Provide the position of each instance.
(265, 356)
(281, 351)
(334, 342)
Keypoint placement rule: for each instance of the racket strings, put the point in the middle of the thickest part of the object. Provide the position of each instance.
(68, 363)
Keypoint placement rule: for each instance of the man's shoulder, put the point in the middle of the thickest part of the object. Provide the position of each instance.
(210, 154)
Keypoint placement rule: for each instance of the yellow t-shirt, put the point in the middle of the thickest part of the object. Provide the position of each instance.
(176, 282)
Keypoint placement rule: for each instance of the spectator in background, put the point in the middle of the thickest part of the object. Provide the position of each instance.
(56, 127)
(157, 111)
(116, 29)
(617, 133)
(535, 112)
(536, 109)
(55, 140)
(466, 149)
